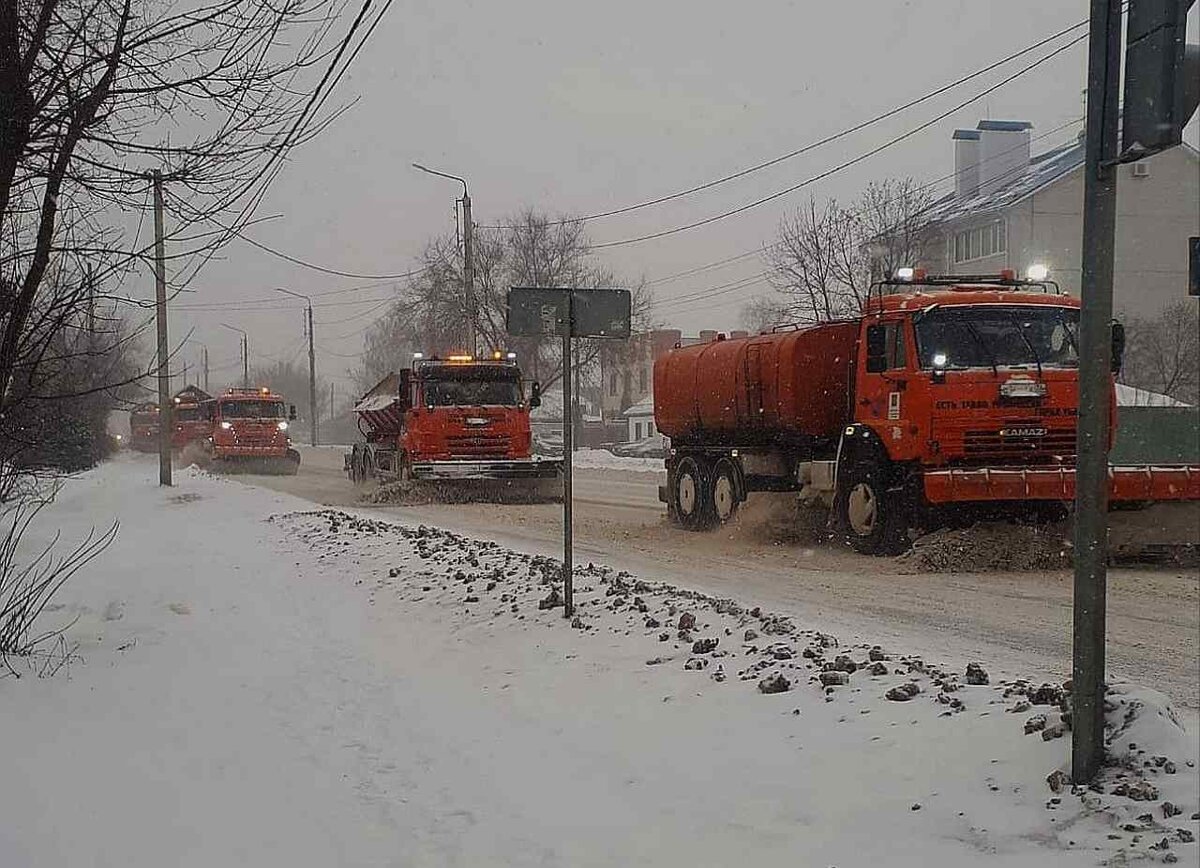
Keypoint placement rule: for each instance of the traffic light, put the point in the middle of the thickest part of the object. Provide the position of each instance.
(1162, 77)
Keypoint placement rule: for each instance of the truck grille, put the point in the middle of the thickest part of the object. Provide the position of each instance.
(1021, 443)
(478, 443)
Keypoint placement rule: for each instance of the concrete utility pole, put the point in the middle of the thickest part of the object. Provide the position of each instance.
(312, 367)
(1095, 391)
(245, 353)
(166, 417)
(204, 357)
(468, 259)
(331, 416)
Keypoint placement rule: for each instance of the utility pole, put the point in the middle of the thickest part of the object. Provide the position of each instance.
(245, 353)
(312, 368)
(1095, 391)
(469, 273)
(204, 357)
(468, 259)
(183, 384)
(166, 416)
(91, 308)
(331, 416)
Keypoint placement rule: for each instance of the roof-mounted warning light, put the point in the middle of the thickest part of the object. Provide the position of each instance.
(1037, 272)
(909, 274)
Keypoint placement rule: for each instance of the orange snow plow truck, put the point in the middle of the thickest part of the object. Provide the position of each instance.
(248, 431)
(451, 420)
(948, 398)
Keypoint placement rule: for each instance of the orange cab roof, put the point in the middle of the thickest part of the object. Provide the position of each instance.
(918, 299)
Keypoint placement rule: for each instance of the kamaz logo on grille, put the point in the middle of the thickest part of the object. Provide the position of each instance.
(1022, 432)
(477, 421)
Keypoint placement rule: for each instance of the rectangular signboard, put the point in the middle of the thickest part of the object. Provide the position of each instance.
(596, 313)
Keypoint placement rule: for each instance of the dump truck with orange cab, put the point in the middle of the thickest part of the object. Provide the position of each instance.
(454, 419)
(248, 431)
(947, 397)
(143, 427)
(190, 417)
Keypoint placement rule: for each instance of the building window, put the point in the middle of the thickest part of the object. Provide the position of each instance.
(642, 380)
(980, 242)
(612, 384)
(637, 430)
(628, 382)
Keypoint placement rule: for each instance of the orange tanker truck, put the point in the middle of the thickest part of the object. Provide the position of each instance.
(948, 397)
(455, 419)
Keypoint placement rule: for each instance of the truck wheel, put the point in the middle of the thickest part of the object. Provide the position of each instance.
(723, 492)
(689, 494)
(872, 518)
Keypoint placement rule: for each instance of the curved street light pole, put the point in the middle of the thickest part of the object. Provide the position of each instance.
(312, 366)
(468, 257)
(245, 353)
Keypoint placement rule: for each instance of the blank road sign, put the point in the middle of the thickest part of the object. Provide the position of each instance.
(598, 313)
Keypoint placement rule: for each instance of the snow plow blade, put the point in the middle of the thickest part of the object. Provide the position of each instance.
(1126, 484)
(516, 469)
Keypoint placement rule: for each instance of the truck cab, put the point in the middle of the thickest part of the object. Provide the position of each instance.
(189, 417)
(143, 427)
(251, 424)
(457, 417)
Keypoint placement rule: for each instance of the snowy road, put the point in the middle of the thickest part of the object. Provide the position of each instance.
(1020, 620)
(257, 686)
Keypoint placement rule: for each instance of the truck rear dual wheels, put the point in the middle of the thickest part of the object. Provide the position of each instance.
(703, 493)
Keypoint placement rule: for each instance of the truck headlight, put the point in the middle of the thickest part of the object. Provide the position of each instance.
(226, 426)
(283, 426)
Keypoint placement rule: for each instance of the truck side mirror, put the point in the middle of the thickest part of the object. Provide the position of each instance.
(876, 349)
(535, 395)
(1118, 346)
(292, 412)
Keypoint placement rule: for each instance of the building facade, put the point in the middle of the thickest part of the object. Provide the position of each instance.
(1011, 209)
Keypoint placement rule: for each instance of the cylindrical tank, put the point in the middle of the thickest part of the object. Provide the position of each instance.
(784, 386)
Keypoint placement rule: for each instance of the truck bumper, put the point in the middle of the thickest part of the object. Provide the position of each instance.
(250, 452)
(528, 468)
(1138, 483)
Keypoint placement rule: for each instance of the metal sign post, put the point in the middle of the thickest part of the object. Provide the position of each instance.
(570, 313)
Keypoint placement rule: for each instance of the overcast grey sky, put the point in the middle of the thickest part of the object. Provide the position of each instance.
(575, 108)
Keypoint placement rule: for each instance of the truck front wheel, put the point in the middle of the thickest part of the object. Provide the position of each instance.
(871, 517)
(689, 494)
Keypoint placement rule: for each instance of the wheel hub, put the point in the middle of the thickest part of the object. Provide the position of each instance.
(862, 509)
(723, 497)
(687, 494)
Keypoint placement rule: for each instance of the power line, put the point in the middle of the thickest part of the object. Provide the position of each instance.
(862, 125)
(844, 165)
(931, 185)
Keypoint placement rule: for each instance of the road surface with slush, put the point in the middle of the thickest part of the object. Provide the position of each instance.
(1019, 623)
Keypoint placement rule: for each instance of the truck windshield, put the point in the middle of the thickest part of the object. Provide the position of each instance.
(188, 414)
(998, 335)
(252, 410)
(471, 393)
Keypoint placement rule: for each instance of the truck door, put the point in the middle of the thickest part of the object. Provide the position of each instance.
(884, 400)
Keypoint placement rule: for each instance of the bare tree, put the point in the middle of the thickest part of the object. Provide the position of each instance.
(291, 381)
(98, 92)
(825, 258)
(529, 250)
(1163, 353)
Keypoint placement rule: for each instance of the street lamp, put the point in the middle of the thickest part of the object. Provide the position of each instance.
(245, 353)
(312, 366)
(468, 255)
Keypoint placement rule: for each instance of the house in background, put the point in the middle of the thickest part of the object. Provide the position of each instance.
(627, 374)
(641, 420)
(1010, 209)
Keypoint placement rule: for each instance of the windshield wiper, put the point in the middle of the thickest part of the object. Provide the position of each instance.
(1032, 351)
(983, 345)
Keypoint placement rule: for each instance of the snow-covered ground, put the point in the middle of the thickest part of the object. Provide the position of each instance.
(260, 684)
(602, 459)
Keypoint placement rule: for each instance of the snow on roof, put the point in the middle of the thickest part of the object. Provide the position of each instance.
(1042, 170)
(644, 407)
(1130, 396)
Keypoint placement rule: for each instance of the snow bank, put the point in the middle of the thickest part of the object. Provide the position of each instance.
(325, 688)
(602, 459)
